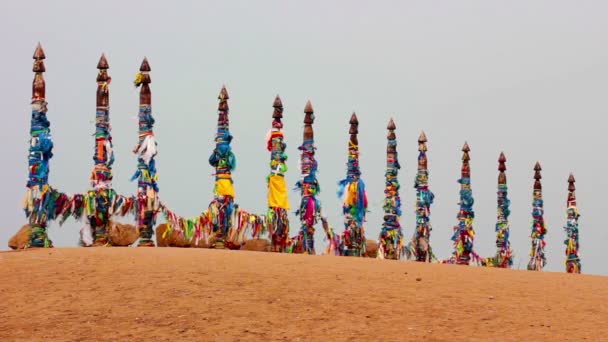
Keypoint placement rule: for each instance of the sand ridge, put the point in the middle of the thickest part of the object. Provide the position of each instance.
(109, 294)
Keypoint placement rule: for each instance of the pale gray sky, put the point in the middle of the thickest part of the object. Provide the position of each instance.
(528, 78)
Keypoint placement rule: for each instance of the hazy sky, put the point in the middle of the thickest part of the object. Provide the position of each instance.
(527, 78)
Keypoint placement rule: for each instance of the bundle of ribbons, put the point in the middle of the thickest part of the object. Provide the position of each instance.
(278, 203)
(419, 248)
(537, 253)
(308, 185)
(147, 187)
(352, 192)
(504, 254)
(224, 162)
(464, 235)
(573, 260)
(391, 236)
(51, 204)
(40, 153)
(201, 227)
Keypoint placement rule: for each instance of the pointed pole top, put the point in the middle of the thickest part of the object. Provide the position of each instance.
(354, 123)
(391, 125)
(353, 119)
(38, 59)
(308, 108)
(391, 131)
(38, 84)
(103, 62)
(465, 147)
(422, 137)
(537, 176)
(277, 114)
(501, 162)
(39, 53)
(502, 158)
(277, 102)
(223, 94)
(571, 181)
(145, 66)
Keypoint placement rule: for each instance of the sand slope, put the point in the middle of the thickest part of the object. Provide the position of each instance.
(167, 294)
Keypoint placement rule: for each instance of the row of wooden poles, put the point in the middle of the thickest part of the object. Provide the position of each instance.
(352, 242)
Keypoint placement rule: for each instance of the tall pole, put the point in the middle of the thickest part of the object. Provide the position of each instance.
(310, 206)
(420, 247)
(103, 156)
(40, 154)
(352, 190)
(224, 162)
(504, 254)
(573, 260)
(147, 188)
(537, 254)
(391, 236)
(464, 234)
(278, 203)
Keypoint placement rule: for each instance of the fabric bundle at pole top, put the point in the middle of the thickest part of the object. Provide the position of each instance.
(538, 259)
(573, 260)
(352, 192)
(391, 235)
(278, 203)
(147, 193)
(419, 248)
(310, 206)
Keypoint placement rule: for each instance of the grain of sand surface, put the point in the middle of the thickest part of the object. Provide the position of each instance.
(170, 294)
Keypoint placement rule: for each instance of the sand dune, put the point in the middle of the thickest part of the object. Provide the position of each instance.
(108, 294)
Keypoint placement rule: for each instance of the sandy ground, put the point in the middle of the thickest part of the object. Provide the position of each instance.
(110, 294)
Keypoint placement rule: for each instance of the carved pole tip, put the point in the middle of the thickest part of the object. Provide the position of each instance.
(308, 108)
(277, 102)
(537, 167)
(391, 125)
(223, 93)
(353, 119)
(145, 66)
(103, 62)
(422, 137)
(465, 147)
(502, 158)
(39, 53)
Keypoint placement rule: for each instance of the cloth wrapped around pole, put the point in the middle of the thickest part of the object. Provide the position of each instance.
(354, 197)
(38, 210)
(573, 260)
(391, 235)
(538, 259)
